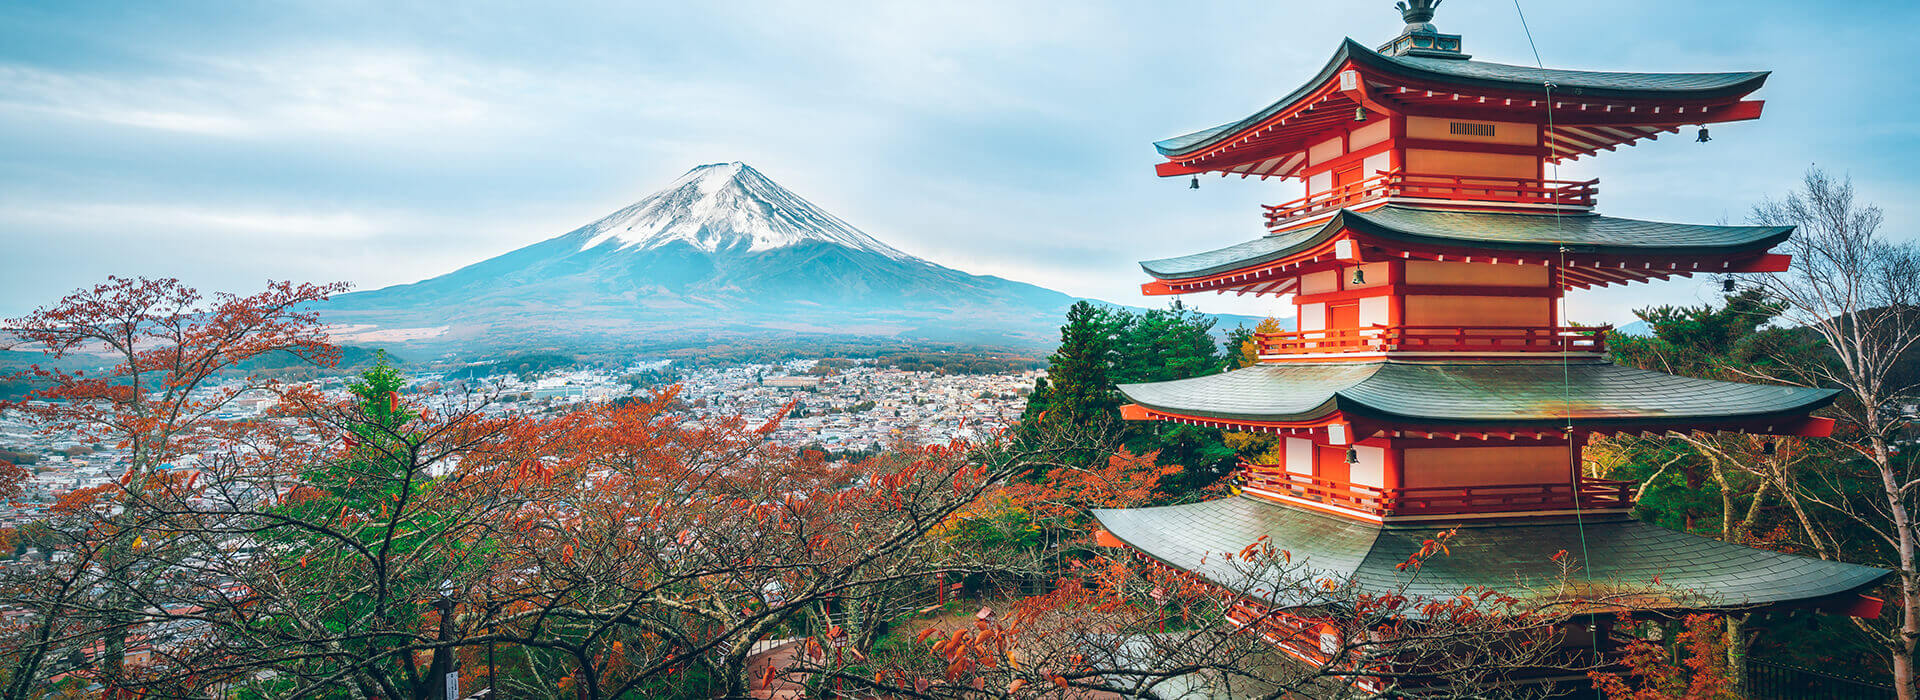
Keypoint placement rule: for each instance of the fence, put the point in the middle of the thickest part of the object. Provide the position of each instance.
(1770, 681)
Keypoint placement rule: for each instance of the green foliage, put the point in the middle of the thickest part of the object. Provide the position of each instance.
(376, 551)
(1001, 525)
(1237, 339)
(1735, 341)
(1078, 388)
(1710, 341)
(1101, 347)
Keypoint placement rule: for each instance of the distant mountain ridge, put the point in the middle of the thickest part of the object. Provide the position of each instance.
(721, 252)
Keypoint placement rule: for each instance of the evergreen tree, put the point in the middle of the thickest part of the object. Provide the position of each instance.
(1163, 345)
(1078, 388)
(1242, 348)
(1101, 347)
(1166, 344)
(1239, 348)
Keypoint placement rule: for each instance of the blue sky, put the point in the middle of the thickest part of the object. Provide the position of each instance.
(384, 142)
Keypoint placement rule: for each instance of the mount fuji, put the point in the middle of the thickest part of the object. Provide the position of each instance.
(722, 252)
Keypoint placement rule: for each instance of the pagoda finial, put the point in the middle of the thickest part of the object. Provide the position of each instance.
(1417, 11)
(1419, 38)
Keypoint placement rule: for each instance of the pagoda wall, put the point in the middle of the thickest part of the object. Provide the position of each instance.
(1421, 145)
(1483, 465)
(1427, 293)
(1389, 463)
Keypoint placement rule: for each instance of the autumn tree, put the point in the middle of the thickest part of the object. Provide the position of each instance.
(1125, 627)
(1692, 667)
(675, 547)
(1859, 292)
(168, 347)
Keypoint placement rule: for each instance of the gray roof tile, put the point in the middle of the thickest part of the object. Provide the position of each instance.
(1515, 557)
(1581, 233)
(1493, 75)
(1483, 392)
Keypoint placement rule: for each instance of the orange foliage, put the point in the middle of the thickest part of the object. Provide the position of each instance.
(1652, 674)
(1125, 481)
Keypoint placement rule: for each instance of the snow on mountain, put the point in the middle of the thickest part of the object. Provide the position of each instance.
(721, 251)
(723, 207)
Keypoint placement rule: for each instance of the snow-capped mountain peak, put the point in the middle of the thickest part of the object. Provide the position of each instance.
(726, 207)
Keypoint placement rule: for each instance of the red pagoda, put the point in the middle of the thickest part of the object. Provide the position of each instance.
(1432, 382)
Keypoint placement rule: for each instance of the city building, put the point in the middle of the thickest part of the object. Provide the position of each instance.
(1433, 383)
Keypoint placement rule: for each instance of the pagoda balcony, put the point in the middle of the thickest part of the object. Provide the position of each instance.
(1594, 494)
(1402, 186)
(1469, 339)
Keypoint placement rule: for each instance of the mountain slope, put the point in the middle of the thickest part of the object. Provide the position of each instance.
(721, 251)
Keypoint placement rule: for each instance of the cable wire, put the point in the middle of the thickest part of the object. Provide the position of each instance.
(1574, 467)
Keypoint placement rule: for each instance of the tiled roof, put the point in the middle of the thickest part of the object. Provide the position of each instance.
(1512, 393)
(1588, 82)
(1516, 557)
(1581, 233)
(1493, 75)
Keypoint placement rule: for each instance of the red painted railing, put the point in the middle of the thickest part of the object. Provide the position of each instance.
(1506, 190)
(1440, 500)
(1436, 338)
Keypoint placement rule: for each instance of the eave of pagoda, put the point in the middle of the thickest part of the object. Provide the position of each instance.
(1343, 427)
(1673, 571)
(1584, 120)
(1575, 269)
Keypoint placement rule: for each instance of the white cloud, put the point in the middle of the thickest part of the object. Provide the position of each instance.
(151, 218)
(340, 92)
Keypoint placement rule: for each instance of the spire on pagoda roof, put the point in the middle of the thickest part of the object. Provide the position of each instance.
(1420, 38)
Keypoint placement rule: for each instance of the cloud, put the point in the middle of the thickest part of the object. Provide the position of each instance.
(333, 92)
(194, 220)
(1010, 138)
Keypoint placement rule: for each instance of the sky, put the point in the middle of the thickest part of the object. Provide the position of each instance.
(386, 142)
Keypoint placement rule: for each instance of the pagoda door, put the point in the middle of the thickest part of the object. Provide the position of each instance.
(1345, 178)
(1343, 316)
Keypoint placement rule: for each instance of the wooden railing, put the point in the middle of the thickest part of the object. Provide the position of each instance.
(1440, 500)
(1436, 338)
(1508, 190)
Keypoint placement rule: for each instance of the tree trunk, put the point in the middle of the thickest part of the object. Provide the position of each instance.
(1903, 644)
(1737, 646)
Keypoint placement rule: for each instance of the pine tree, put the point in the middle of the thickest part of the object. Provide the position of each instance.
(1078, 388)
(1242, 348)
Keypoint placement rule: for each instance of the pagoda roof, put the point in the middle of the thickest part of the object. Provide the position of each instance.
(1588, 238)
(1581, 233)
(1653, 566)
(1593, 393)
(1467, 73)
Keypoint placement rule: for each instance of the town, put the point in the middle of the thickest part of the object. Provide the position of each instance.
(841, 407)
